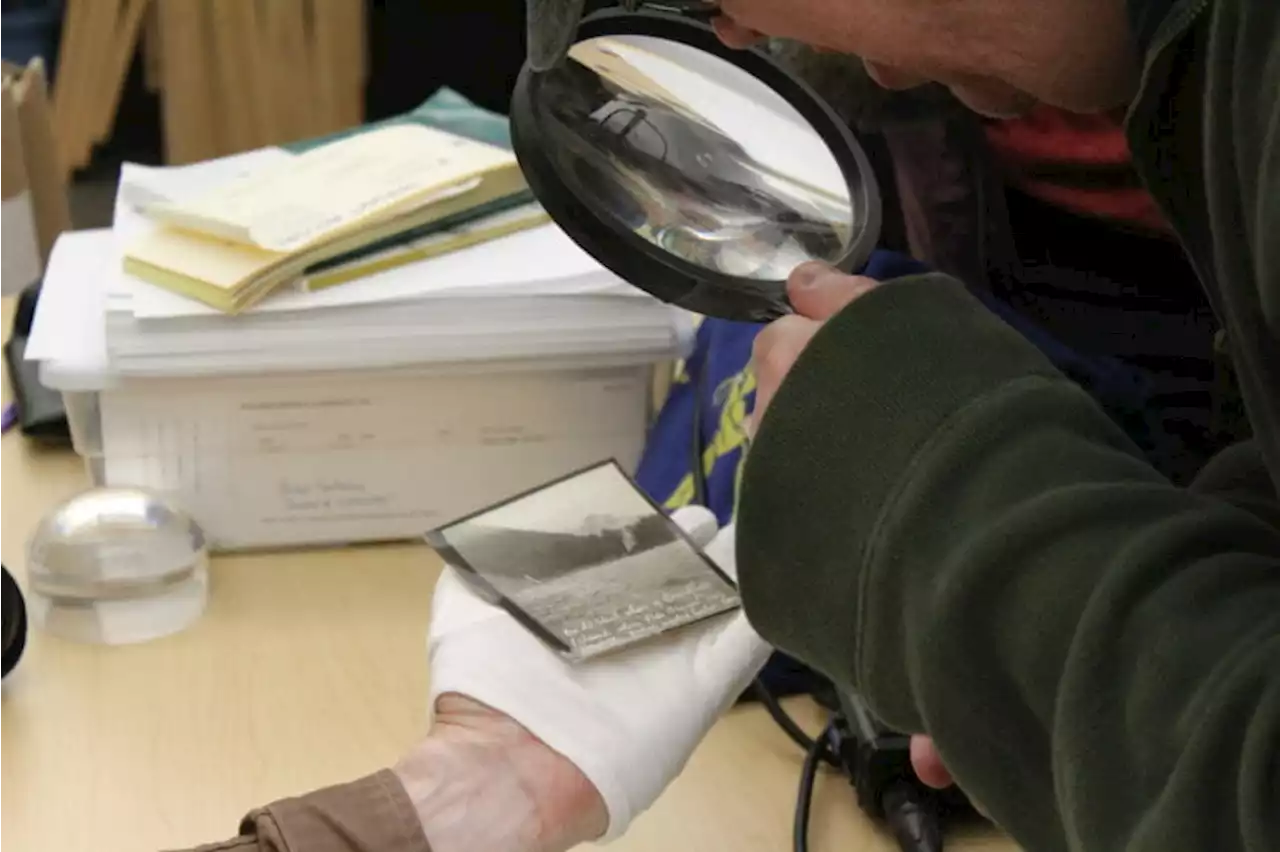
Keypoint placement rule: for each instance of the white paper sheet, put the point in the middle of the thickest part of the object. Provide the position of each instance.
(69, 326)
(20, 260)
(315, 194)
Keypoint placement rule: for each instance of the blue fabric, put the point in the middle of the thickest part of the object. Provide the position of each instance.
(30, 29)
(713, 390)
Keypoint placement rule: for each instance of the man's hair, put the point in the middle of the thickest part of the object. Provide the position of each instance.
(550, 26)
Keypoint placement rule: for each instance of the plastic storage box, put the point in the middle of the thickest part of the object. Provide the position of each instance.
(360, 455)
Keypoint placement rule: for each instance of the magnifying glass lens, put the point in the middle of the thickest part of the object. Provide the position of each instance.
(693, 155)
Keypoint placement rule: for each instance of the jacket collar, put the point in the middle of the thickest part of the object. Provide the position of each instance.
(1145, 18)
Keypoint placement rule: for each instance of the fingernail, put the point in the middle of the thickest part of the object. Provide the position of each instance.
(807, 274)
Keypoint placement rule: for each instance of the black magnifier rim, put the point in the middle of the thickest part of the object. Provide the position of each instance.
(636, 260)
(16, 615)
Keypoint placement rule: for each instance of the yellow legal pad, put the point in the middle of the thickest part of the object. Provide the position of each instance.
(236, 244)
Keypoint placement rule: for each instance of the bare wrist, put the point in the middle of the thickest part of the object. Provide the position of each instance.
(492, 786)
(465, 802)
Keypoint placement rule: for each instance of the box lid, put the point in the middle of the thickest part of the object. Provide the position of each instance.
(70, 335)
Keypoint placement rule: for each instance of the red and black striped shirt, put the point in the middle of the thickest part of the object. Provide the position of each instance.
(1079, 163)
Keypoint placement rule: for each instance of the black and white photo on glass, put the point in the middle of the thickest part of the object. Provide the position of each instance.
(587, 563)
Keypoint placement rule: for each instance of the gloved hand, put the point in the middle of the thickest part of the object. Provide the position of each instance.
(628, 721)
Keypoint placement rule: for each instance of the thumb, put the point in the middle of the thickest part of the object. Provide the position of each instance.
(928, 764)
(819, 292)
(733, 34)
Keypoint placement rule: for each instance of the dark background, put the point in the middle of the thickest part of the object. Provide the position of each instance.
(415, 48)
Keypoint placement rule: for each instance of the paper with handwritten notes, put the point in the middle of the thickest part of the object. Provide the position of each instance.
(312, 196)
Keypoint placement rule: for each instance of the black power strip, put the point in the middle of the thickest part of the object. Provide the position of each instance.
(877, 763)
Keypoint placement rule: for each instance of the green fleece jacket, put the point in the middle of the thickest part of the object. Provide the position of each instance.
(936, 518)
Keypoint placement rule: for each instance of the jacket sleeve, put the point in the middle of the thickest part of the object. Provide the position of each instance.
(1239, 474)
(935, 518)
(1241, 141)
(373, 814)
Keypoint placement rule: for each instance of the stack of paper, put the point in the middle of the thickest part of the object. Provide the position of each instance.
(332, 209)
(365, 412)
(232, 244)
(530, 296)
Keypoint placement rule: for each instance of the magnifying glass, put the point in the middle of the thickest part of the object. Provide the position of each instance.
(700, 174)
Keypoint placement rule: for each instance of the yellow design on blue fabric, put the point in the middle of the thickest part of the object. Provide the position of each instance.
(730, 435)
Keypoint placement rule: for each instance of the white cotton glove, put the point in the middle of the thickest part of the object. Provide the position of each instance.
(629, 721)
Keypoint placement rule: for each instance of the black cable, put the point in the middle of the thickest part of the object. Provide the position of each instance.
(789, 726)
(695, 462)
(804, 796)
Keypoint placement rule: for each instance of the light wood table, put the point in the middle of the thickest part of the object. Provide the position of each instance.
(308, 668)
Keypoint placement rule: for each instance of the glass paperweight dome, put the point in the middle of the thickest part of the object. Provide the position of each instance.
(115, 566)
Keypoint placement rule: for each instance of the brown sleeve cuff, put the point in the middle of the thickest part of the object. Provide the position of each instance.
(373, 814)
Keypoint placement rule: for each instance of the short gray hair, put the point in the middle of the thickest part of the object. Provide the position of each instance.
(551, 25)
(838, 79)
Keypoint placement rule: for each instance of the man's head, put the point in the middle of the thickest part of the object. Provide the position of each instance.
(998, 56)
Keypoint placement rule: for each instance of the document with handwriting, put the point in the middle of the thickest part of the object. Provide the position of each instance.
(326, 190)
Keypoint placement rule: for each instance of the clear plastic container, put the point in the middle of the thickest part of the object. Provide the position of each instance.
(95, 467)
(84, 418)
(508, 425)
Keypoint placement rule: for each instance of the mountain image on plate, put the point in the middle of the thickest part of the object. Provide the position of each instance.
(588, 563)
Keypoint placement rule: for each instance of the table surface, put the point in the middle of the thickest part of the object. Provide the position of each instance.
(308, 668)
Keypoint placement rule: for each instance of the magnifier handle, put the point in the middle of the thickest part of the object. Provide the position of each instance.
(768, 306)
(785, 308)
